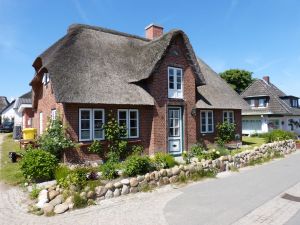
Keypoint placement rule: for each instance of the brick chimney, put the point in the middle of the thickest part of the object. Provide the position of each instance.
(154, 31)
(267, 79)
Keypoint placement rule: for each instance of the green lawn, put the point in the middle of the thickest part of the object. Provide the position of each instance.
(10, 173)
(253, 141)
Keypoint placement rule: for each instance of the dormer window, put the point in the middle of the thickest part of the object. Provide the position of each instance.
(175, 82)
(262, 102)
(294, 103)
(46, 78)
(252, 102)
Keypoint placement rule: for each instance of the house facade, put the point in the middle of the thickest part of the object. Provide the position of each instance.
(155, 86)
(270, 109)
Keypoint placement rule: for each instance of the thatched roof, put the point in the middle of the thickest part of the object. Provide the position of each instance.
(217, 93)
(96, 65)
(3, 103)
(277, 103)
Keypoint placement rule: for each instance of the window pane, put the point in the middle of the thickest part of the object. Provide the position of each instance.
(133, 123)
(123, 123)
(98, 124)
(85, 134)
(85, 114)
(133, 132)
(123, 115)
(209, 128)
(85, 124)
(98, 115)
(176, 132)
(171, 71)
(98, 134)
(133, 115)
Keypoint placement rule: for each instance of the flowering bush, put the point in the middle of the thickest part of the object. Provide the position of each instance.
(54, 139)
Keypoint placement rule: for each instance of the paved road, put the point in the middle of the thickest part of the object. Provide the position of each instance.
(218, 201)
(224, 201)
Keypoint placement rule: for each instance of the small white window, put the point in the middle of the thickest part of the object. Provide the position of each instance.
(207, 121)
(228, 116)
(91, 123)
(252, 102)
(295, 103)
(53, 114)
(46, 78)
(129, 118)
(175, 79)
(41, 123)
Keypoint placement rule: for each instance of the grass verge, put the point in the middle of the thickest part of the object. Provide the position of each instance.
(10, 173)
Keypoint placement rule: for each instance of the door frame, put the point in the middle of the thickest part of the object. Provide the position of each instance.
(181, 124)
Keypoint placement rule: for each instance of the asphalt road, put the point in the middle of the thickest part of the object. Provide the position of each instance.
(224, 201)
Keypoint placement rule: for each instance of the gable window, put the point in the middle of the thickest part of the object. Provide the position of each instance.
(91, 124)
(129, 118)
(175, 78)
(262, 102)
(294, 103)
(46, 79)
(53, 114)
(207, 122)
(252, 102)
(228, 116)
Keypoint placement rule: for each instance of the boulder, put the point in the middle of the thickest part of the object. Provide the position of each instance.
(117, 192)
(133, 190)
(109, 185)
(163, 173)
(147, 177)
(140, 178)
(83, 195)
(42, 198)
(169, 172)
(100, 191)
(57, 200)
(118, 185)
(69, 200)
(52, 194)
(91, 195)
(61, 208)
(173, 179)
(47, 208)
(134, 182)
(109, 194)
(125, 181)
(125, 190)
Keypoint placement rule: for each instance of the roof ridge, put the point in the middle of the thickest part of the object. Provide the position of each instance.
(249, 87)
(105, 30)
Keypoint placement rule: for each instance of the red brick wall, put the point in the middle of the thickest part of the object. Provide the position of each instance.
(28, 114)
(45, 103)
(158, 88)
(218, 118)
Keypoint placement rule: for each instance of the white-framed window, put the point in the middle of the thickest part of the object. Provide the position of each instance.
(46, 78)
(175, 82)
(41, 123)
(206, 121)
(53, 114)
(252, 102)
(91, 123)
(262, 102)
(129, 118)
(295, 103)
(228, 116)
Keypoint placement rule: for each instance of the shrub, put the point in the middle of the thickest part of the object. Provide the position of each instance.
(79, 202)
(197, 149)
(62, 172)
(109, 170)
(38, 165)
(96, 147)
(225, 132)
(54, 139)
(163, 160)
(279, 135)
(114, 134)
(35, 192)
(135, 165)
(77, 177)
(137, 149)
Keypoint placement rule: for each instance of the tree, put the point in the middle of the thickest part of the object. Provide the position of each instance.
(238, 79)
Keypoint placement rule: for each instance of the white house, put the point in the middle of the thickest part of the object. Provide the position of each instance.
(270, 109)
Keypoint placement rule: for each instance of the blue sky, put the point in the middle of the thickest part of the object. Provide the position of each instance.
(262, 36)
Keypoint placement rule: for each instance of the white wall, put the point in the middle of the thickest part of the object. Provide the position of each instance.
(286, 124)
(8, 113)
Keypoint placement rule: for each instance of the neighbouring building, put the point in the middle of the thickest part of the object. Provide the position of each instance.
(3, 104)
(270, 109)
(154, 86)
(20, 112)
